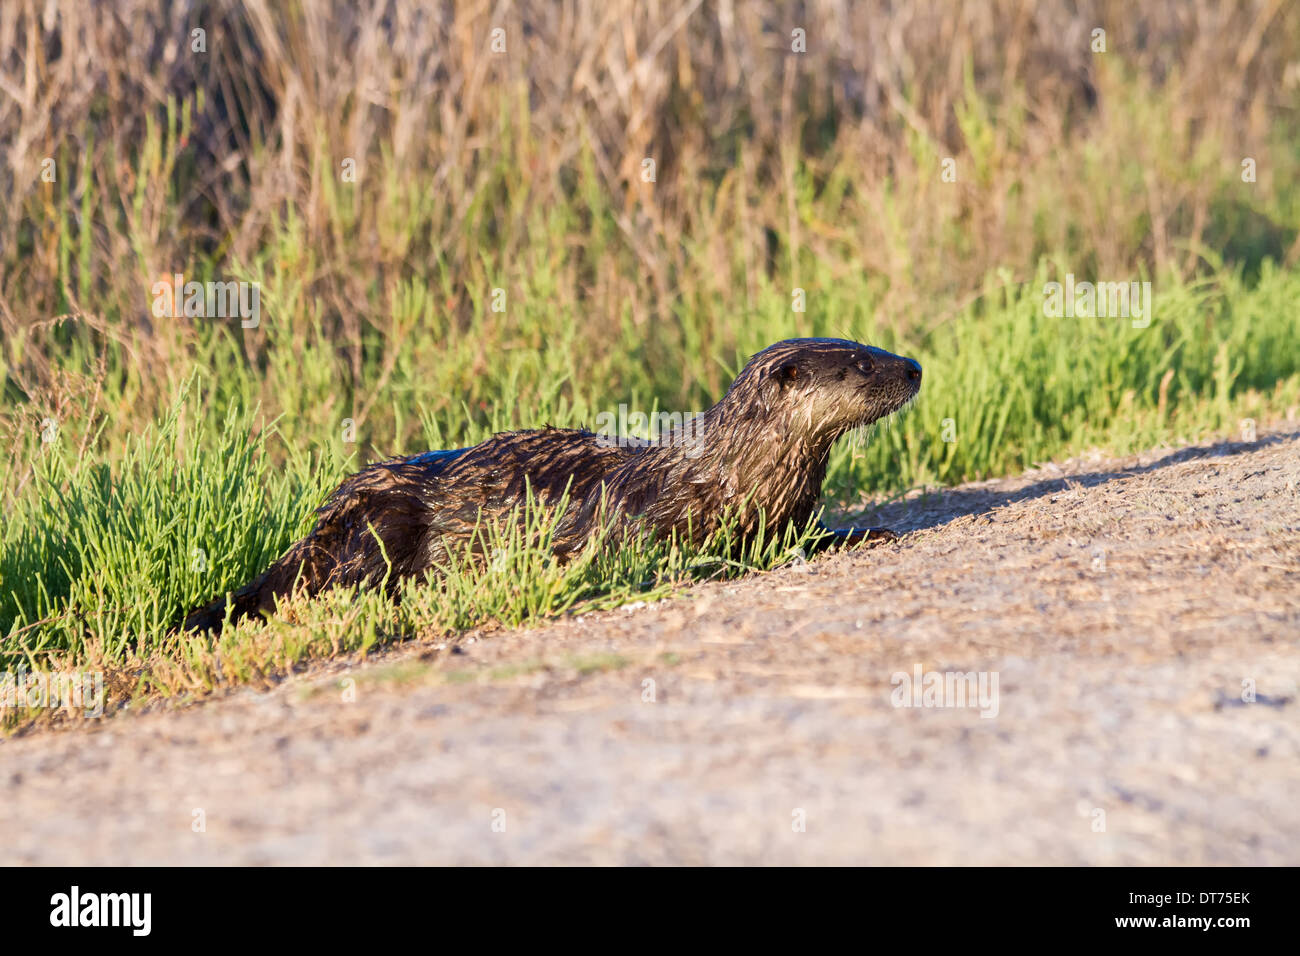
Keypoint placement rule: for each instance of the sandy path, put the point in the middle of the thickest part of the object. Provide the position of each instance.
(1121, 605)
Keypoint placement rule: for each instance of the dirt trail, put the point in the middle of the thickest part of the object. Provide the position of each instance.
(1120, 604)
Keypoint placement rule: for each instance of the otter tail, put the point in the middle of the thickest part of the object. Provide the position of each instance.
(206, 619)
(370, 527)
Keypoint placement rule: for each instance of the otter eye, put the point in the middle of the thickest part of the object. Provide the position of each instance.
(864, 366)
(786, 373)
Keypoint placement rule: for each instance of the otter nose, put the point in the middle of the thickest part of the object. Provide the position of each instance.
(913, 369)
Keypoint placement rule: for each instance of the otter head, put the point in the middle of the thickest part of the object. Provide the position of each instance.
(822, 388)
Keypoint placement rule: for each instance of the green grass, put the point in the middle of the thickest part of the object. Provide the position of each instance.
(1022, 388)
(108, 546)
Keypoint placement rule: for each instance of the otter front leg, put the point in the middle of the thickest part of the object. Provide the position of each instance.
(852, 537)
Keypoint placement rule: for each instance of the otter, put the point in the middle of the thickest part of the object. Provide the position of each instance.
(759, 454)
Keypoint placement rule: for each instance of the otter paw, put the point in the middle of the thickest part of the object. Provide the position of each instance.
(862, 537)
(873, 536)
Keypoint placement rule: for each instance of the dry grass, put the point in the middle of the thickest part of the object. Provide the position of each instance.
(522, 170)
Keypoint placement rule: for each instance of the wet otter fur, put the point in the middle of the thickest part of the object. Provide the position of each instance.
(762, 448)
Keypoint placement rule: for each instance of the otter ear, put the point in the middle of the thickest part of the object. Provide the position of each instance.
(786, 374)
